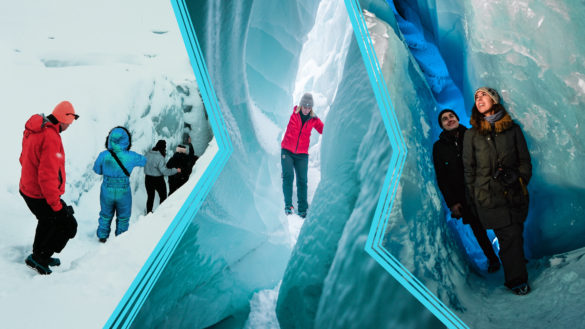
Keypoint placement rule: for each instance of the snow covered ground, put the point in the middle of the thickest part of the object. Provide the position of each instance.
(119, 63)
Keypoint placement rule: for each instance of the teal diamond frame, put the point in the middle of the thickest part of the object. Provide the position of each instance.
(134, 298)
(374, 245)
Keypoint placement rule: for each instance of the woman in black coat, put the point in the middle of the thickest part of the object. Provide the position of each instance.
(497, 169)
(183, 161)
(449, 170)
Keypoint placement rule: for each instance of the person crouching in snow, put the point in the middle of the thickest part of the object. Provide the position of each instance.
(115, 164)
(295, 153)
(154, 172)
(42, 182)
(183, 161)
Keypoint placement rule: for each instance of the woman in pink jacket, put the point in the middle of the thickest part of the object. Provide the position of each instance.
(295, 153)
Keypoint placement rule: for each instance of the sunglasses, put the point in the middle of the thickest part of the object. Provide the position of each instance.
(309, 106)
(74, 115)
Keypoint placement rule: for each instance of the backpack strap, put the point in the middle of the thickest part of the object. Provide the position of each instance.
(119, 163)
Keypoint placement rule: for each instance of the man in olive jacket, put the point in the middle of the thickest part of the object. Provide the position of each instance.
(449, 170)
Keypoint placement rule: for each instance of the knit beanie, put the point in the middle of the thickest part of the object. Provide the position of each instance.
(491, 92)
(307, 100)
(161, 145)
(446, 111)
(65, 113)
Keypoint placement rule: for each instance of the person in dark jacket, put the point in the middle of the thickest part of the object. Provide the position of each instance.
(42, 182)
(183, 161)
(115, 192)
(154, 171)
(449, 170)
(295, 153)
(497, 168)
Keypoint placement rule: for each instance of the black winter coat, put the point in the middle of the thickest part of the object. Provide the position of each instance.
(485, 148)
(447, 158)
(185, 162)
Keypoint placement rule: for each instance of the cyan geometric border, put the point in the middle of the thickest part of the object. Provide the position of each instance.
(134, 298)
(374, 245)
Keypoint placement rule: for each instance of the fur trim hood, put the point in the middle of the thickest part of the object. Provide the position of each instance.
(485, 128)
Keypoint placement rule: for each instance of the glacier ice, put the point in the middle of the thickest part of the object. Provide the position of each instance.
(230, 251)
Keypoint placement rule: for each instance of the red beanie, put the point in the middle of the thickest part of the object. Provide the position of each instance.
(64, 112)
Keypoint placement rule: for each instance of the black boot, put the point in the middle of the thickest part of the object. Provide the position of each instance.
(40, 268)
(521, 289)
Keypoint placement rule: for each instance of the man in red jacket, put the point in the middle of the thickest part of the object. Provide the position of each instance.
(42, 182)
(295, 153)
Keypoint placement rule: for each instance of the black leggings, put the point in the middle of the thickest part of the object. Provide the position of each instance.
(155, 183)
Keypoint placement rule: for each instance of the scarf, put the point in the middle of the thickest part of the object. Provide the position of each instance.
(495, 117)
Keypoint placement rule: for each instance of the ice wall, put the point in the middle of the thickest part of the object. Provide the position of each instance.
(533, 52)
(330, 281)
(345, 285)
(233, 247)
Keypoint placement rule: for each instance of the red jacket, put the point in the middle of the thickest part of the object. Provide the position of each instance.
(298, 135)
(43, 161)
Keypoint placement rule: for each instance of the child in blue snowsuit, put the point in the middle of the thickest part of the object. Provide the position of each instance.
(115, 194)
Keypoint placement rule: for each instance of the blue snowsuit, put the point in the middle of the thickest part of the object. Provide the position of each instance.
(115, 194)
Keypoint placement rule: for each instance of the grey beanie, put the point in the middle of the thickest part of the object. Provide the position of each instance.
(491, 92)
(306, 100)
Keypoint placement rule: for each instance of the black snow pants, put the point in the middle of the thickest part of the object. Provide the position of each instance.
(153, 183)
(51, 234)
(512, 254)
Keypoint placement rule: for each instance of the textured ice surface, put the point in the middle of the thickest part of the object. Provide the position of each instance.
(448, 277)
(330, 281)
(239, 243)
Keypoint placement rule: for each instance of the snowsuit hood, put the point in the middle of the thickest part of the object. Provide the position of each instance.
(118, 140)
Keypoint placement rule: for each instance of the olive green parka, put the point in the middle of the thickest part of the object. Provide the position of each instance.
(498, 205)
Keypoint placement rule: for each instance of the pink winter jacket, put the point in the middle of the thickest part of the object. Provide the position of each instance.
(298, 135)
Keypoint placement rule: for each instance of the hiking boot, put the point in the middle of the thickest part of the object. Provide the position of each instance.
(41, 269)
(103, 240)
(302, 214)
(521, 289)
(289, 210)
(493, 267)
(54, 261)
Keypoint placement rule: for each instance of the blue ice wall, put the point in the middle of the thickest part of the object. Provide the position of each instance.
(330, 281)
(534, 54)
(230, 250)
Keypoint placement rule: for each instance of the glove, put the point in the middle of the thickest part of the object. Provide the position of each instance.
(66, 221)
(62, 214)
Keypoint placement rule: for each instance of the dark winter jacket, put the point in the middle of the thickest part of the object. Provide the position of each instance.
(298, 134)
(449, 166)
(186, 163)
(43, 161)
(484, 149)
